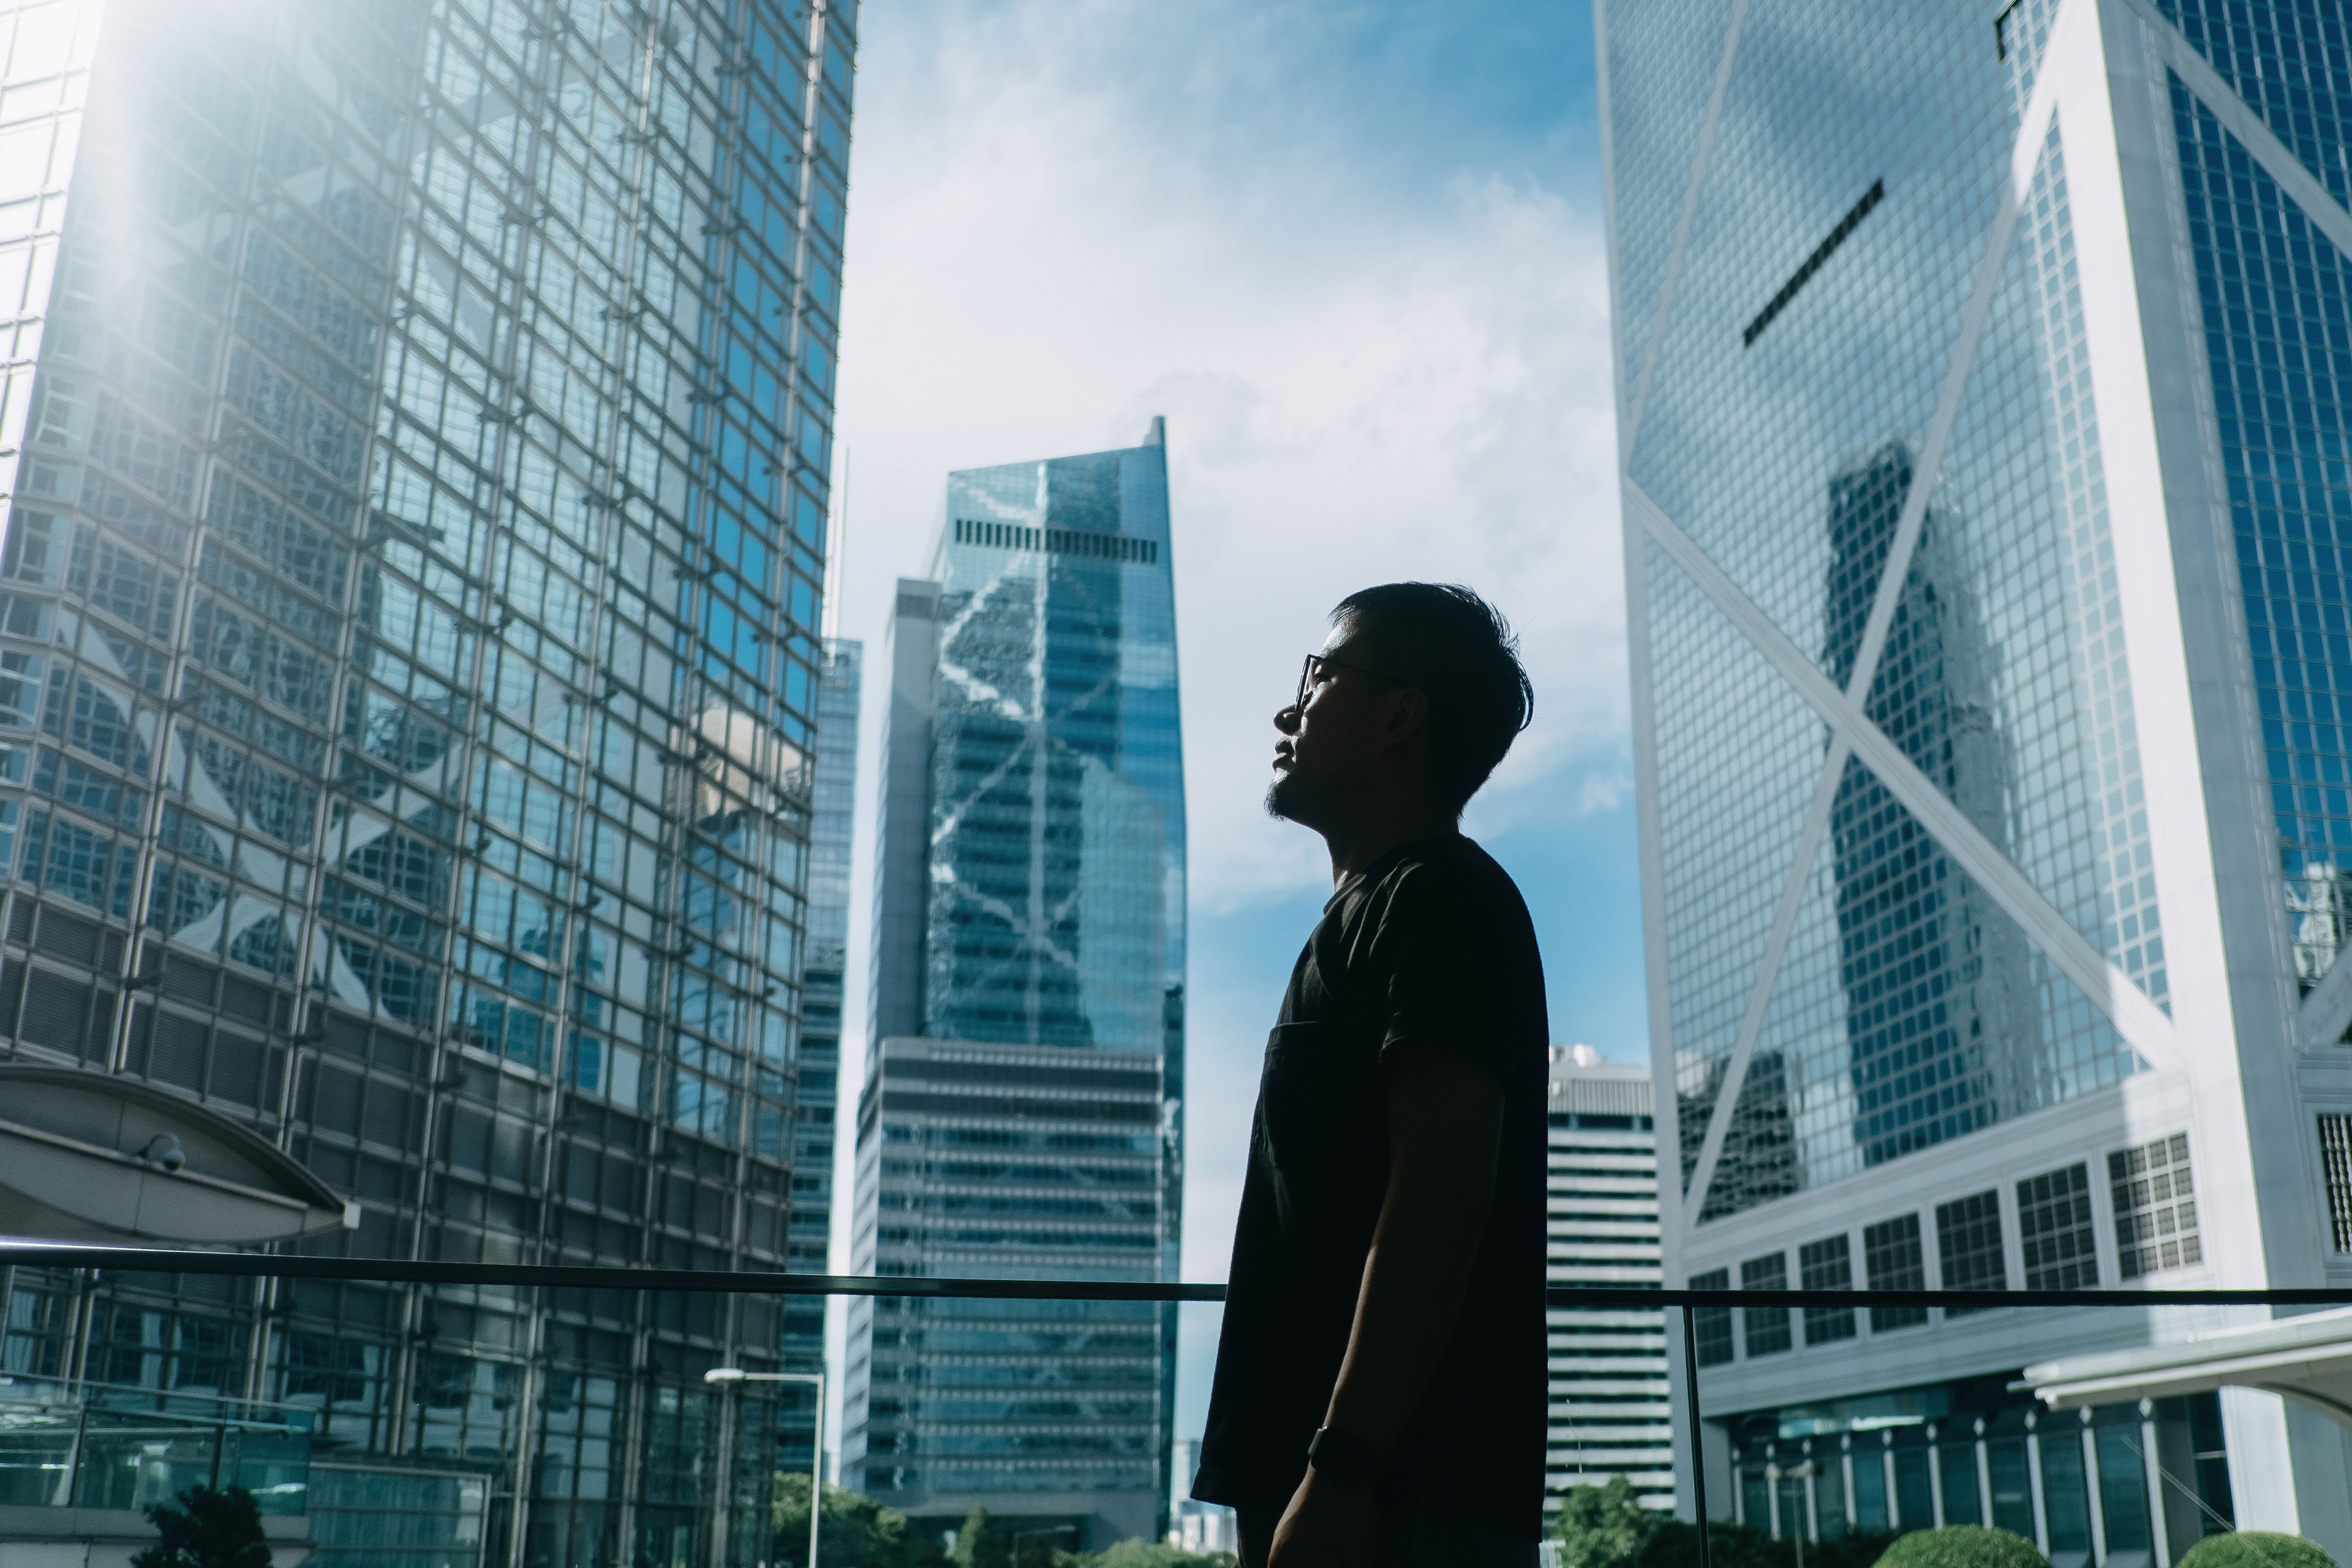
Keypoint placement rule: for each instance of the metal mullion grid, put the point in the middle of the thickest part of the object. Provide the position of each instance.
(623, 401)
(399, 1378)
(820, 21)
(630, 176)
(537, 95)
(307, 936)
(487, 585)
(222, 421)
(696, 574)
(69, 659)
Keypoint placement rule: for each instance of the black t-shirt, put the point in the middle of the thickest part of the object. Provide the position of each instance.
(1429, 952)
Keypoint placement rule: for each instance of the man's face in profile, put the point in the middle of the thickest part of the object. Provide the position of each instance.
(1329, 730)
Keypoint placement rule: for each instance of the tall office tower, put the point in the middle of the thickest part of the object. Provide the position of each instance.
(1023, 1113)
(1982, 407)
(418, 439)
(832, 817)
(1611, 1402)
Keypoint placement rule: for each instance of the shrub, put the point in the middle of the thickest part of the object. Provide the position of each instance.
(207, 1528)
(1675, 1544)
(1962, 1546)
(1605, 1526)
(1855, 1549)
(2256, 1549)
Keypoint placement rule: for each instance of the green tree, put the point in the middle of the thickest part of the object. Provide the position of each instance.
(853, 1532)
(2256, 1549)
(982, 1542)
(1963, 1546)
(1605, 1526)
(209, 1526)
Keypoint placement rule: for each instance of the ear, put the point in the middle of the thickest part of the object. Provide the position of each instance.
(1404, 715)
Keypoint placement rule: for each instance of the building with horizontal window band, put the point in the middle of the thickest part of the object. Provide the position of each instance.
(416, 442)
(1022, 1109)
(1982, 413)
(1606, 1366)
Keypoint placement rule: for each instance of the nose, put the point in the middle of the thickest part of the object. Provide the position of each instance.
(1286, 718)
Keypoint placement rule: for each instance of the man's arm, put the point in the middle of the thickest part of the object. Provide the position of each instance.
(1446, 1125)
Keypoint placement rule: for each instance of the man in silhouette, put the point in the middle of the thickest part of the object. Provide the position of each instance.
(1380, 1382)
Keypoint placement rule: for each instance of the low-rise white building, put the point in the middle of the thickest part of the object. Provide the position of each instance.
(1610, 1395)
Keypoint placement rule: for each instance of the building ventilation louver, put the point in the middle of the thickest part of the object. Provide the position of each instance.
(1058, 541)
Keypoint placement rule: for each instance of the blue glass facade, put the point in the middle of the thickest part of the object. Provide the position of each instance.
(411, 638)
(2279, 341)
(2290, 61)
(1822, 291)
(1030, 926)
(1057, 802)
(1989, 562)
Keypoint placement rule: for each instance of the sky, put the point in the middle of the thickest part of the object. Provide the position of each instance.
(1352, 250)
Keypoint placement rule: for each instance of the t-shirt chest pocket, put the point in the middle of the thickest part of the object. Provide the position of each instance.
(1296, 1093)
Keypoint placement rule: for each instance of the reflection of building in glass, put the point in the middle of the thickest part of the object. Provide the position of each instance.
(1609, 1408)
(1758, 1157)
(1934, 976)
(416, 444)
(1982, 415)
(2317, 909)
(1023, 1113)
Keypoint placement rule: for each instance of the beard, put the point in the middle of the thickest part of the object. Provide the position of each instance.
(1284, 799)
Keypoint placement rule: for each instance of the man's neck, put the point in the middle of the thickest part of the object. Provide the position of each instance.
(1357, 845)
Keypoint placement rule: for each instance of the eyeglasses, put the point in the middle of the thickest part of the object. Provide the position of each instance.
(1310, 675)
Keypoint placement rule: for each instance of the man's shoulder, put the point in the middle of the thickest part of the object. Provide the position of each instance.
(1453, 871)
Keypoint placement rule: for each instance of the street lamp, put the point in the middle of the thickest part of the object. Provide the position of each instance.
(817, 1437)
(1020, 1535)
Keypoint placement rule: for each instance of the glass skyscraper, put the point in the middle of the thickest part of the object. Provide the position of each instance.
(418, 436)
(1983, 397)
(1023, 1113)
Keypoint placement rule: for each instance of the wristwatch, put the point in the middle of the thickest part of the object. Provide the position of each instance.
(1344, 1456)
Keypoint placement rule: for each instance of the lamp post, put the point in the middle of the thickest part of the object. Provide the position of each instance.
(730, 1375)
(1020, 1535)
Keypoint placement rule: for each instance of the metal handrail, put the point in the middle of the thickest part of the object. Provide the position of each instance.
(131, 1259)
(731, 1281)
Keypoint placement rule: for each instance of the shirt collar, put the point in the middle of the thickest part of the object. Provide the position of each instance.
(1380, 867)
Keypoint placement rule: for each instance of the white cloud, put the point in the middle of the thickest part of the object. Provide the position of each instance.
(1601, 792)
(1355, 390)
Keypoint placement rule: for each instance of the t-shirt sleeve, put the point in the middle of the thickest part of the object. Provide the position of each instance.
(1433, 959)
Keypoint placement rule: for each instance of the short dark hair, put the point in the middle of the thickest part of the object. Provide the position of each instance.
(1459, 651)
